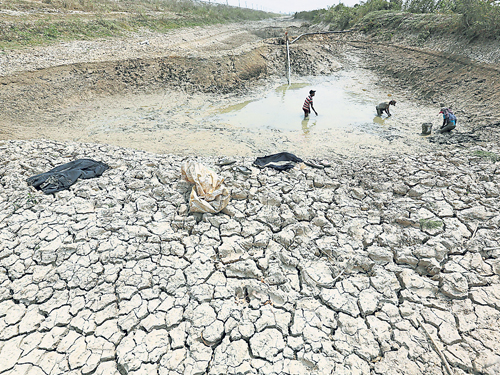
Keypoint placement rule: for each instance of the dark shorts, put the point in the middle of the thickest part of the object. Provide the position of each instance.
(449, 126)
(306, 112)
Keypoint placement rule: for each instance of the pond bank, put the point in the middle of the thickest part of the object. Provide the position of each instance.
(154, 96)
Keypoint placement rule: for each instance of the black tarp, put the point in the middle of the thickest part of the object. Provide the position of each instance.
(281, 161)
(65, 175)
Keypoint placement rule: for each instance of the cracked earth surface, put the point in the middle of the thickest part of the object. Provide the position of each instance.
(310, 271)
(376, 265)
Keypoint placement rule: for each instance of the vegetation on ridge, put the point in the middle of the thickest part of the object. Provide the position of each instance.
(471, 18)
(24, 22)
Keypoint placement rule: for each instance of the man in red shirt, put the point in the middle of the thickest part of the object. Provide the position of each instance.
(308, 104)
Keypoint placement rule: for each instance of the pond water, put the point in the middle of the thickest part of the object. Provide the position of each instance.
(341, 100)
(267, 120)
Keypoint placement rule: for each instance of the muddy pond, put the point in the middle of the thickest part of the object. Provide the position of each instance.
(267, 120)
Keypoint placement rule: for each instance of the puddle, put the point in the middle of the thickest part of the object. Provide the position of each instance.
(265, 121)
(341, 101)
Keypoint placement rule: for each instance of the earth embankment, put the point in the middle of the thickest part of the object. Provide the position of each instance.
(373, 265)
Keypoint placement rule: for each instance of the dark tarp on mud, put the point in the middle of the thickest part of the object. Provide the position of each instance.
(65, 175)
(282, 161)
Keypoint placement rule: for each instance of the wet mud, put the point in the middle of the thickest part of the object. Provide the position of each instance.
(164, 100)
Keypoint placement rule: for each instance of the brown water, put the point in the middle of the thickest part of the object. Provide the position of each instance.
(339, 106)
(346, 120)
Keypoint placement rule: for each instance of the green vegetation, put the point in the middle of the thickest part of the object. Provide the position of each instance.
(486, 155)
(28, 201)
(430, 224)
(471, 18)
(26, 22)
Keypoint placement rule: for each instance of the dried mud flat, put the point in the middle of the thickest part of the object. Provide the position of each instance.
(379, 264)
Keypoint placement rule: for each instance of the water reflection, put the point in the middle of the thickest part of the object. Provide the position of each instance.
(293, 86)
(379, 120)
(235, 107)
(339, 99)
(306, 127)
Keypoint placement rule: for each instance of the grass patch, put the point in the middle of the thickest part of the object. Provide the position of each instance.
(474, 19)
(422, 24)
(27, 23)
(28, 201)
(43, 32)
(430, 224)
(486, 155)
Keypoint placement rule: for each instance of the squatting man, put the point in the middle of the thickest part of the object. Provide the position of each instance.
(384, 107)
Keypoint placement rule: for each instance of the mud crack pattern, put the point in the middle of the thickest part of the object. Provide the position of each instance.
(308, 271)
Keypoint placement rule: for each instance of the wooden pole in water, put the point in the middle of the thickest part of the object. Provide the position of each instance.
(289, 72)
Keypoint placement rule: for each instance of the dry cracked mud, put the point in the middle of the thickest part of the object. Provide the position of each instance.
(384, 263)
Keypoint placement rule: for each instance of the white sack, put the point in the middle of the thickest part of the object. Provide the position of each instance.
(209, 193)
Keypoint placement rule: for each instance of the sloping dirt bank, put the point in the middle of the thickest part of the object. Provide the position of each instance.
(450, 72)
(49, 92)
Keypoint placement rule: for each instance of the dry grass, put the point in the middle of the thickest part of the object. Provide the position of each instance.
(39, 22)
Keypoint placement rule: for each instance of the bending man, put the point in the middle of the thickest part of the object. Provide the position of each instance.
(384, 107)
(308, 104)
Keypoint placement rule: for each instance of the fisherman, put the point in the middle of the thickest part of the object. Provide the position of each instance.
(384, 107)
(308, 104)
(449, 120)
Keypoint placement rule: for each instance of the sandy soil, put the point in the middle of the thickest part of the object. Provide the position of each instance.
(154, 91)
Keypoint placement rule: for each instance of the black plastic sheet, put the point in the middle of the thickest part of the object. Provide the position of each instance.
(282, 161)
(65, 175)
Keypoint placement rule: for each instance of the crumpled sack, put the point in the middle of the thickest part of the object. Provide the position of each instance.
(209, 193)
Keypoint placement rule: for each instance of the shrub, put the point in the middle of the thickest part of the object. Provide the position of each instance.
(486, 155)
(341, 17)
(430, 224)
(479, 18)
(473, 18)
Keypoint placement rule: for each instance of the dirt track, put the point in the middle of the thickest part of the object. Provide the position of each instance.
(59, 92)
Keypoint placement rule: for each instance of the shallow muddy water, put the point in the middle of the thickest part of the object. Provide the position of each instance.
(267, 120)
(341, 102)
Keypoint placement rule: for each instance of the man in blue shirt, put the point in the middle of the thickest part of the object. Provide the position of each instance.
(449, 121)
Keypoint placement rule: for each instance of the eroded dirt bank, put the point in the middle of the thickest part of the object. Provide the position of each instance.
(377, 265)
(463, 81)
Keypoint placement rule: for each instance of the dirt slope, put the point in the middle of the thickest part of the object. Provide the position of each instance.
(39, 86)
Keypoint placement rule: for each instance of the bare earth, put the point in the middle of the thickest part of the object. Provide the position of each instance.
(151, 91)
(376, 265)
